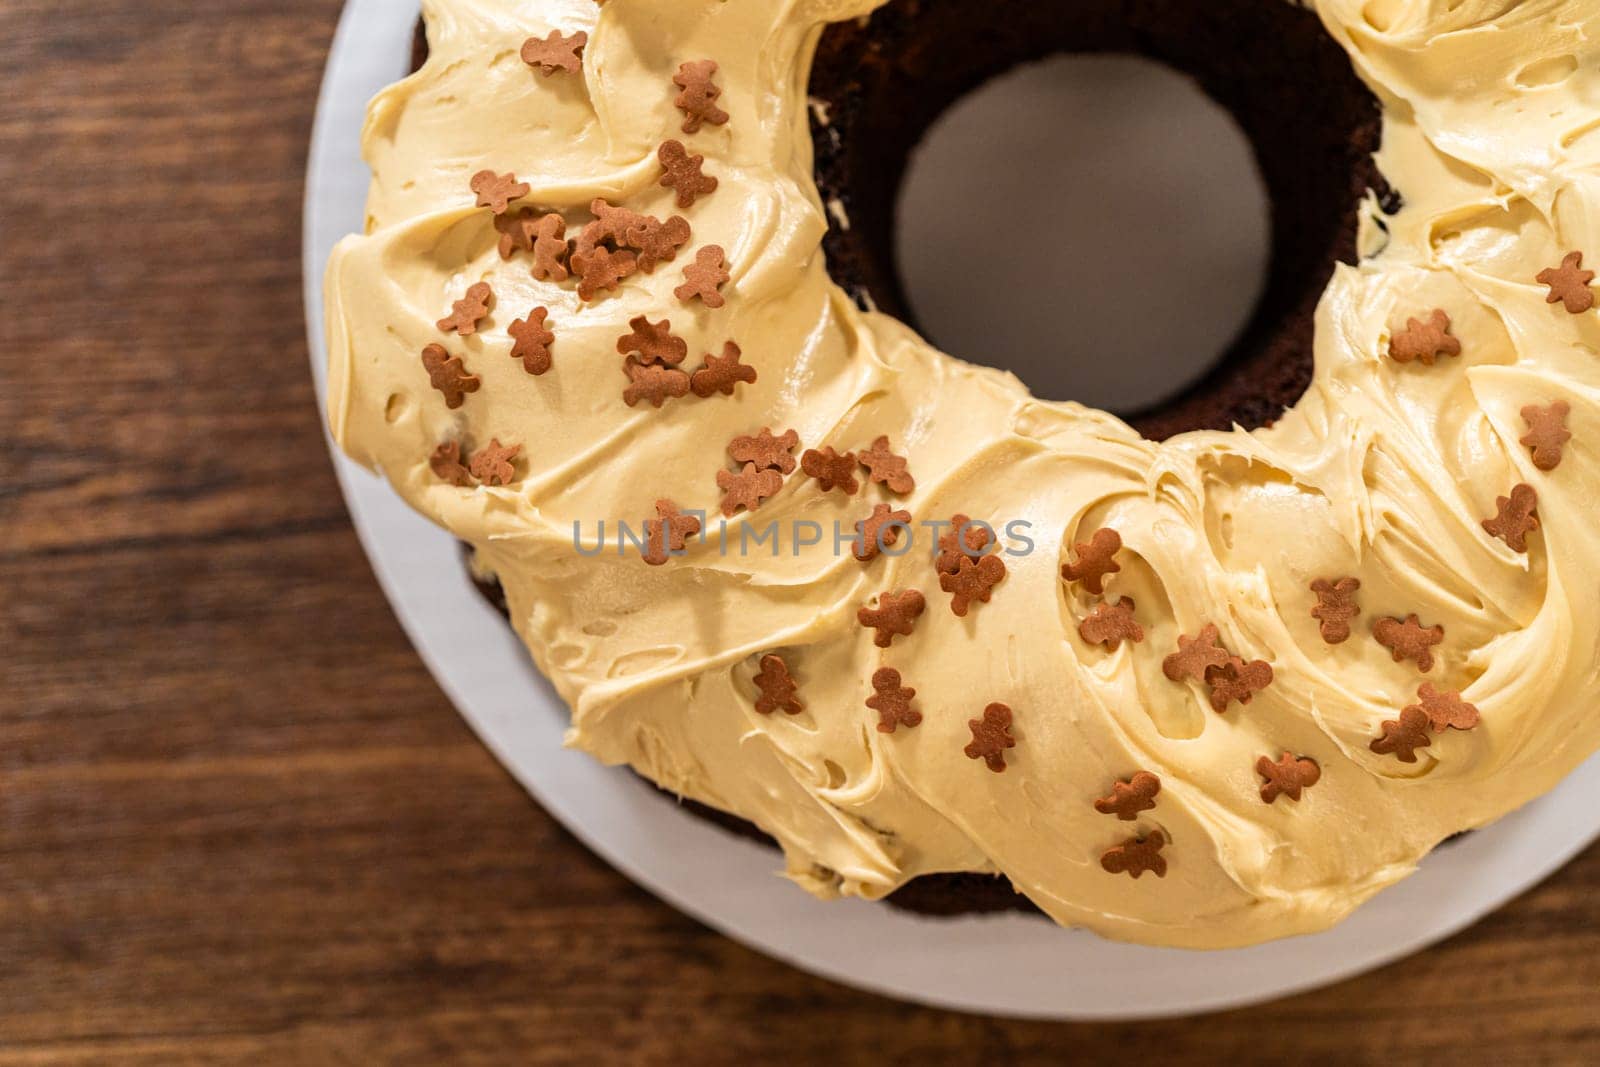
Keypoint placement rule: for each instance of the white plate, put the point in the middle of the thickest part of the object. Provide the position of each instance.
(1008, 965)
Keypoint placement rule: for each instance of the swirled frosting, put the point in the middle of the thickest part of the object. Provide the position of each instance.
(1382, 472)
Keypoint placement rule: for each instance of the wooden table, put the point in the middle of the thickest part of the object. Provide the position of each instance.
(238, 821)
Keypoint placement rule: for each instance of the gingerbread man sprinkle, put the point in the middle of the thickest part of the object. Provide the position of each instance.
(831, 469)
(991, 736)
(1515, 517)
(895, 616)
(1237, 680)
(496, 191)
(667, 534)
(1336, 606)
(550, 249)
(1547, 432)
(1195, 656)
(747, 488)
(778, 687)
(1445, 710)
(533, 339)
(892, 701)
(1130, 796)
(879, 531)
(1111, 624)
(1408, 639)
(704, 278)
(1424, 342)
(652, 342)
(765, 450)
(1287, 777)
(681, 171)
(555, 52)
(1403, 736)
(448, 374)
(966, 539)
(886, 468)
(1137, 855)
(445, 462)
(1569, 284)
(698, 101)
(493, 464)
(652, 382)
(1095, 560)
(721, 374)
(466, 313)
(974, 580)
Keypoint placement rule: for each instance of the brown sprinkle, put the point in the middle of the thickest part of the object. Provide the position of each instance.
(652, 342)
(973, 580)
(496, 191)
(667, 534)
(778, 687)
(1195, 656)
(1547, 432)
(1336, 606)
(765, 450)
(1569, 284)
(1095, 560)
(533, 340)
(747, 488)
(1137, 855)
(1237, 680)
(602, 269)
(550, 249)
(681, 171)
(494, 463)
(1408, 639)
(466, 313)
(656, 241)
(1111, 624)
(1403, 736)
(446, 464)
(517, 230)
(555, 52)
(721, 374)
(1445, 710)
(879, 531)
(965, 539)
(1130, 796)
(704, 278)
(1287, 777)
(653, 382)
(698, 101)
(448, 374)
(892, 701)
(886, 468)
(895, 616)
(1424, 342)
(1515, 517)
(830, 469)
(991, 735)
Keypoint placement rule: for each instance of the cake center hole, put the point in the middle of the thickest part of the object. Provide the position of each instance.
(1095, 224)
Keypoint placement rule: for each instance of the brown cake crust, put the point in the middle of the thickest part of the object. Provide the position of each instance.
(1313, 124)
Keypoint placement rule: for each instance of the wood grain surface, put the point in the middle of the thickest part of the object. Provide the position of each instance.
(238, 821)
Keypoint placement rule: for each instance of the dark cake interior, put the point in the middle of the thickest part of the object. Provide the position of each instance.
(1313, 124)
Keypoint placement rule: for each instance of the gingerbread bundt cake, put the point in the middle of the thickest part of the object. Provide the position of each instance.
(1198, 686)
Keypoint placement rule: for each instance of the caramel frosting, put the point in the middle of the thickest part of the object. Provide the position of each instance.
(1383, 472)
